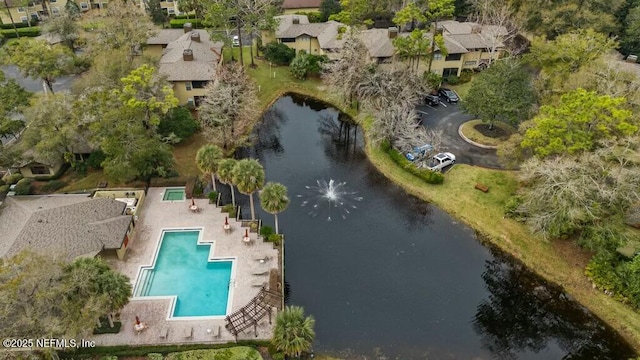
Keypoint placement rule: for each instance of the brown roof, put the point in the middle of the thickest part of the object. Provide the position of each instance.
(206, 56)
(68, 226)
(301, 4)
(165, 36)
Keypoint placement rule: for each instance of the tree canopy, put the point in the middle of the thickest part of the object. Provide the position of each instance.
(504, 92)
(577, 123)
(39, 60)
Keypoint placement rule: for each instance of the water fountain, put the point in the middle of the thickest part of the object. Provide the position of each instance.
(334, 195)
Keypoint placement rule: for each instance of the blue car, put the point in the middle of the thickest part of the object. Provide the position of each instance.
(418, 152)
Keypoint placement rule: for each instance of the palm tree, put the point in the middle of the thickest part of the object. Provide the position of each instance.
(225, 175)
(248, 175)
(207, 159)
(274, 199)
(294, 333)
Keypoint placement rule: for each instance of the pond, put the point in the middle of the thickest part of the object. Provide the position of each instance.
(389, 276)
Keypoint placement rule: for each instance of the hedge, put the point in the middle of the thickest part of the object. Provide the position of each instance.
(196, 23)
(18, 25)
(26, 32)
(429, 176)
(127, 350)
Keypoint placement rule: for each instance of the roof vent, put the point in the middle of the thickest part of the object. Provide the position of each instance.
(393, 32)
(187, 55)
(187, 27)
(296, 20)
(195, 36)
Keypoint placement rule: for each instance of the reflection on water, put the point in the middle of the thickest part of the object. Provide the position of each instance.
(399, 278)
(522, 314)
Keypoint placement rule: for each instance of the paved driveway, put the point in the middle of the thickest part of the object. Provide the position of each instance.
(448, 117)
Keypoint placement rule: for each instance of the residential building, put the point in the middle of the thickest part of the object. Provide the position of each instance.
(189, 62)
(64, 226)
(297, 33)
(298, 6)
(33, 168)
(22, 11)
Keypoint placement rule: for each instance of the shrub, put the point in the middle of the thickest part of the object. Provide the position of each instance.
(109, 357)
(229, 208)
(196, 23)
(305, 64)
(106, 329)
(278, 53)
(213, 197)
(95, 159)
(452, 80)
(178, 121)
(24, 32)
(313, 16)
(53, 185)
(4, 189)
(155, 356)
(2, 182)
(274, 238)
(23, 187)
(431, 177)
(18, 25)
(434, 80)
(465, 76)
(13, 178)
(266, 230)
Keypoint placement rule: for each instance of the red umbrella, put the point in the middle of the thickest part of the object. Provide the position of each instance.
(137, 320)
(246, 233)
(226, 220)
(193, 202)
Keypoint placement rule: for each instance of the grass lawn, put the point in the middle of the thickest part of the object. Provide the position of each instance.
(237, 353)
(474, 135)
(462, 89)
(184, 155)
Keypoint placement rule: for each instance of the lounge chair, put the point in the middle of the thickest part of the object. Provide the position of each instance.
(164, 332)
(259, 284)
(261, 273)
(262, 258)
(188, 332)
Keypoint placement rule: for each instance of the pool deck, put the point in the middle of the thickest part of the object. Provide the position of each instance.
(157, 215)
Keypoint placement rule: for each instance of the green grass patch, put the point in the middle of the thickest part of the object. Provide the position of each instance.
(462, 89)
(184, 155)
(476, 136)
(233, 353)
(105, 328)
(133, 351)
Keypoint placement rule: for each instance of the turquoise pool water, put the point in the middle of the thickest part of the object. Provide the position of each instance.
(175, 194)
(182, 268)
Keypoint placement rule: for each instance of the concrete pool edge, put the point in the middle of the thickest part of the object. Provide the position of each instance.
(174, 188)
(173, 298)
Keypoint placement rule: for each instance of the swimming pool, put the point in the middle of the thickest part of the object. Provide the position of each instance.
(183, 271)
(173, 194)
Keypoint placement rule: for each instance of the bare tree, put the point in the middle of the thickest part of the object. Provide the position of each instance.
(497, 25)
(566, 193)
(229, 106)
(345, 73)
(379, 88)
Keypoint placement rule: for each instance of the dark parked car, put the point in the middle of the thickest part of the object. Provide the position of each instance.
(449, 95)
(432, 100)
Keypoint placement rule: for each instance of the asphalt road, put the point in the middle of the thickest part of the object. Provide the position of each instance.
(448, 117)
(63, 83)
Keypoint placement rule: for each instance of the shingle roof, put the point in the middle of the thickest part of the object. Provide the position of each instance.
(285, 21)
(165, 36)
(300, 4)
(206, 56)
(65, 225)
(378, 42)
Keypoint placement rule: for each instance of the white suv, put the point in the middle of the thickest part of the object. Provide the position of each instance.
(441, 160)
(235, 41)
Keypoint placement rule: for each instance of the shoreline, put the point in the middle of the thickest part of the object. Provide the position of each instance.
(508, 236)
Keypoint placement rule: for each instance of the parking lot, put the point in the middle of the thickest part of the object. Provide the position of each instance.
(448, 117)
